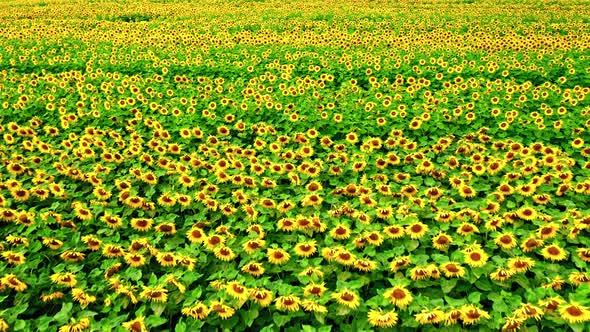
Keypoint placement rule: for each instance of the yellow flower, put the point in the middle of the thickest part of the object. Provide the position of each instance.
(472, 314)
(416, 230)
(573, 313)
(277, 256)
(430, 316)
(347, 298)
(261, 296)
(452, 270)
(399, 296)
(13, 282)
(287, 303)
(312, 306)
(154, 294)
(197, 311)
(305, 249)
(379, 318)
(136, 325)
(64, 278)
(553, 252)
(236, 290)
(475, 258)
(224, 253)
(15, 258)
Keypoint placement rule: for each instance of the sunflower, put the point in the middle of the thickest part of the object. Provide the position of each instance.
(142, 224)
(166, 228)
(277, 256)
(527, 213)
(112, 221)
(416, 230)
(154, 294)
(196, 235)
(253, 268)
(52, 296)
(64, 278)
(252, 246)
(15, 258)
(112, 251)
(574, 313)
(214, 241)
(584, 254)
(530, 244)
(528, 310)
(167, 258)
(197, 311)
(314, 289)
(520, 264)
(365, 265)
(287, 303)
(466, 229)
(224, 253)
(236, 290)
(399, 296)
(346, 298)
(262, 297)
(452, 270)
(344, 257)
(441, 241)
(472, 314)
(136, 325)
(551, 304)
(466, 191)
(385, 212)
(554, 252)
(378, 318)
(13, 282)
(427, 316)
(513, 323)
(312, 306)
(340, 232)
(475, 258)
(578, 278)
(306, 249)
(506, 240)
(134, 201)
(399, 262)
(548, 230)
(82, 297)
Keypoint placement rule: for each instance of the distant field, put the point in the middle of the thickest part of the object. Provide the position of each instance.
(294, 165)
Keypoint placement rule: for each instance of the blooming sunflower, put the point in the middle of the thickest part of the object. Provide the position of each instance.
(399, 296)
(277, 256)
(346, 298)
(441, 241)
(378, 318)
(197, 311)
(287, 303)
(554, 252)
(475, 258)
(416, 230)
(473, 314)
(427, 316)
(154, 294)
(452, 270)
(573, 312)
(261, 296)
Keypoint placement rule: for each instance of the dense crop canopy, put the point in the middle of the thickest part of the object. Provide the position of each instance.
(315, 165)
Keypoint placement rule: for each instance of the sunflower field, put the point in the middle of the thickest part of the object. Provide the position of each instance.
(294, 165)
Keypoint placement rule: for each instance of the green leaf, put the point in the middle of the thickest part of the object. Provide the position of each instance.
(154, 320)
(447, 285)
(308, 328)
(20, 325)
(474, 297)
(180, 326)
(280, 320)
(64, 314)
